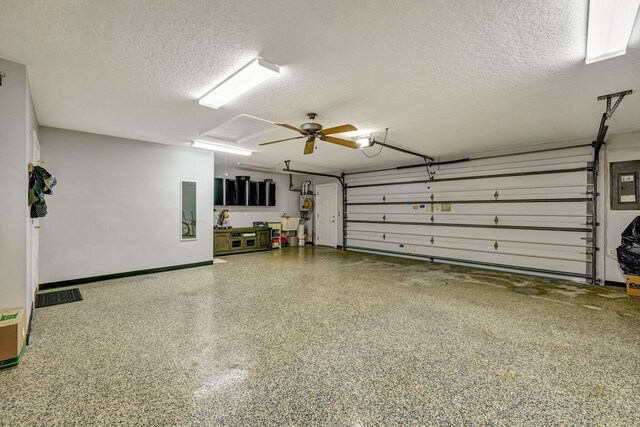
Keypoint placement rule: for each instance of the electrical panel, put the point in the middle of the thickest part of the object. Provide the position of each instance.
(625, 186)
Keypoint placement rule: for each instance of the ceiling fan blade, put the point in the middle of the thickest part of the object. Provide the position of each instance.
(308, 147)
(338, 129)
(284, 125)
(340, 141)
(280, 140)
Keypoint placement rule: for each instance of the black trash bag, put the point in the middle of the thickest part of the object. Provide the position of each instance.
(631, 234)
(629, 259)
(629, 251)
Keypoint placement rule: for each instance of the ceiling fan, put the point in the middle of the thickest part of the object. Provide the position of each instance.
(313, 130)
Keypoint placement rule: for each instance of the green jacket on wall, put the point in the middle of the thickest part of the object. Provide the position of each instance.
(40, 183)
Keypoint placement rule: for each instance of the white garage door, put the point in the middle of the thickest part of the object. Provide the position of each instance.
(529, 212)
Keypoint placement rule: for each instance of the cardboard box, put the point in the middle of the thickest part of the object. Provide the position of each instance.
(633, 285)
(12, 336)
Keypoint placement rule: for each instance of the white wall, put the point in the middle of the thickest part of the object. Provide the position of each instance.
(15, 125)
(622, 147)
(286, 201)
(32, 126)
(116, 207)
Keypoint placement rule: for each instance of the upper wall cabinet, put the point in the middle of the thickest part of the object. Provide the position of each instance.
(271, 194)
(218, 191)
(244, 192)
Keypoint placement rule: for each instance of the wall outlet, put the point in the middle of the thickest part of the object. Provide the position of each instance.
(611, 253)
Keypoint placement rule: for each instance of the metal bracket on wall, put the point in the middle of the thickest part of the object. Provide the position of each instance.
(602, 130)
(619, 95)
(597, 146)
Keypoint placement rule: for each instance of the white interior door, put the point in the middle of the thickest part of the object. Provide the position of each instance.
(35, 222)
(326, 215)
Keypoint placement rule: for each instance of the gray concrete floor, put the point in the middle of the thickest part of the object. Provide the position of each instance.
(309, 336)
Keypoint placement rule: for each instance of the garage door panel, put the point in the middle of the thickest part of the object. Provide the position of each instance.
(479, 233)
(465, 220)
(539, 219)
(576, 268)
(513, 209)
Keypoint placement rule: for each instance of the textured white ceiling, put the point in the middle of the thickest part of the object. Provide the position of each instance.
(447, 77)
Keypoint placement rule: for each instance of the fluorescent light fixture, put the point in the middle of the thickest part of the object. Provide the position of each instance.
(252, 166)
(247, 78)
(610, 25)
(364, 141)
(206, 145)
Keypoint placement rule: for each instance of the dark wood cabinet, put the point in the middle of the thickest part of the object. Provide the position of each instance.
(231, 192)
(254, 195)
(262, 193)
(242, 192)
(218, 191)
(271, 200)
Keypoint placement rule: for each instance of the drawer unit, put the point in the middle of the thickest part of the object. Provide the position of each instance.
(240, 240)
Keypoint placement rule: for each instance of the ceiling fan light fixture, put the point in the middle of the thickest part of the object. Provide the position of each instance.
(248, 77)
(364, 141)
(610, 25)
(206, 145)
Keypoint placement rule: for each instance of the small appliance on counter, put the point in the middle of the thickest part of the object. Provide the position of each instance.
(222, 216)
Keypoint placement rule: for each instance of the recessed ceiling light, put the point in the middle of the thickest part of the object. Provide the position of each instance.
(247, 78)
(206, 145)
(610, 25)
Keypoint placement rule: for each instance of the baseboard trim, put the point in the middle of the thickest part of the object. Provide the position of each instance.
(33, 306)
(614, 283)
(82, 281)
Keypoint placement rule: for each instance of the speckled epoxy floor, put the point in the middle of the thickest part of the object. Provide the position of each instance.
(321, 337)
